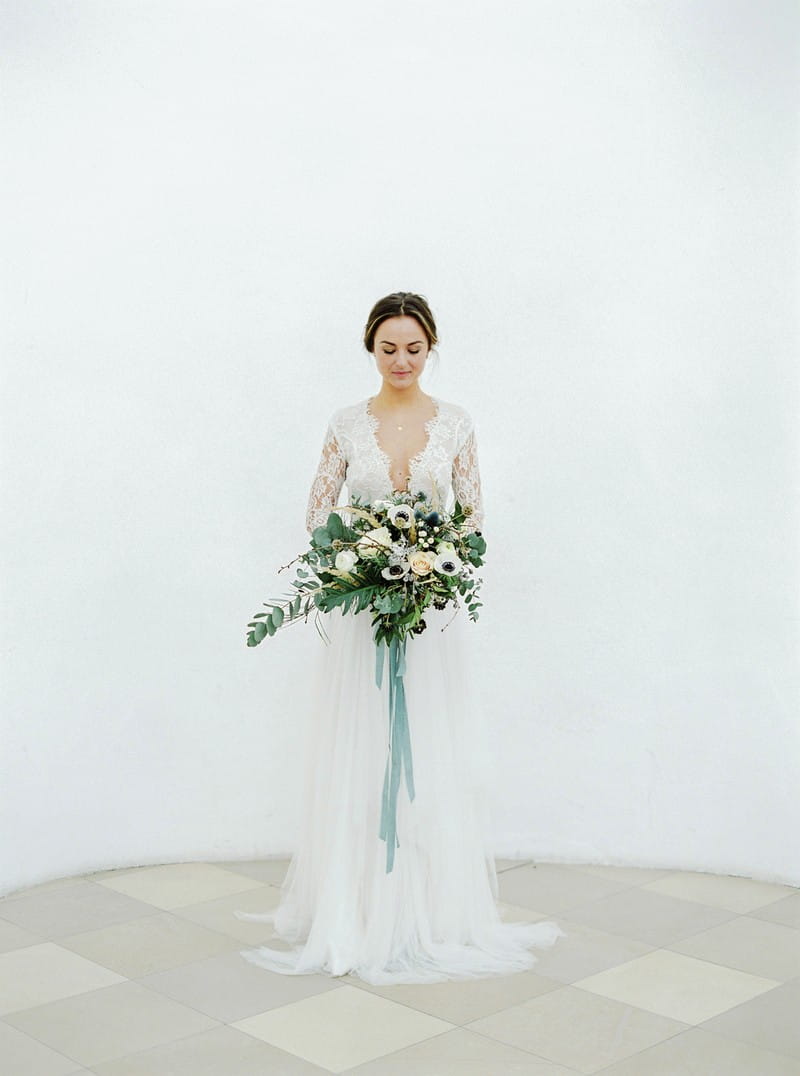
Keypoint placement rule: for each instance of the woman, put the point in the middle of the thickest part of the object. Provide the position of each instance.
(434, 915)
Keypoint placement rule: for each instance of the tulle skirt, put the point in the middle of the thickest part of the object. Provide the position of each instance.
(434, 916)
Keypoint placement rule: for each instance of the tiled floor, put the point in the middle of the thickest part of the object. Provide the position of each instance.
(663, 973)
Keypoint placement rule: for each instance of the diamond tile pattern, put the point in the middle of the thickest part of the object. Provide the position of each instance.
(137, 972)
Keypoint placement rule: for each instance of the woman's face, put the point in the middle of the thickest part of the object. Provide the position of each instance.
(401, 351)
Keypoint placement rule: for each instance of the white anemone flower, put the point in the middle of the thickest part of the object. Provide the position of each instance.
(447, 564)
(401, 516)
(395, 571)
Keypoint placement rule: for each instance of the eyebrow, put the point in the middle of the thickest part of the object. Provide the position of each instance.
(391, 344)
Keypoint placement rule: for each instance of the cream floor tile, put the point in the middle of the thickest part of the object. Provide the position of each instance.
(460, 1053)
(14, 937)
(174, 885)
(696, 1052)
(20, 1055)
(56, 912)
(459, 1002)
(223, 1051)
(786, 911)
(735, 894)
(627, 875)
(104, 1024)
(230, 988)
(219, 914)
(342, 1028)
(574, 1028)
(148, 944)
(676, 986)
(753, 945)
(769, 1021)
(266, 871)
(553, 890)
(45, 972)
(648, 917)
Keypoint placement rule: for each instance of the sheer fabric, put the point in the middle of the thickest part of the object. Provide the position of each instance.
(434, 916)
(449, 460)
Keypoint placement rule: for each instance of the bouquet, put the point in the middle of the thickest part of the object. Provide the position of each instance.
(395, 557)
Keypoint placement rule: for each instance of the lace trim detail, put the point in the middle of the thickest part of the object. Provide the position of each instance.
(327, 484)
(467, 480)
(431, 426)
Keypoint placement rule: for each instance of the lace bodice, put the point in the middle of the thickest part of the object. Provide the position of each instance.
(448, 464)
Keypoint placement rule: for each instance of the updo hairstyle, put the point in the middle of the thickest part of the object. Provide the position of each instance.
(397, 304)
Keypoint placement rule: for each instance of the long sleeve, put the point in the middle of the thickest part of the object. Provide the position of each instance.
(328, 482)
(467, 479)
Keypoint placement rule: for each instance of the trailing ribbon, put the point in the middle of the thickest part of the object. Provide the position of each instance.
(399, 743)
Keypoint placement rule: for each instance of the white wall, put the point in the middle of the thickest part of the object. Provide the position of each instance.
(202, 201)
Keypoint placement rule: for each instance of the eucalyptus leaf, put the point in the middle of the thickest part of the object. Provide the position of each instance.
(334, 526)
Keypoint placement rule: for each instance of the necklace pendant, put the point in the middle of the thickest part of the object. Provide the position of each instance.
(399, 427)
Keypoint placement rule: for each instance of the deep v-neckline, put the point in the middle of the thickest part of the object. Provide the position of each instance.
(414, 460)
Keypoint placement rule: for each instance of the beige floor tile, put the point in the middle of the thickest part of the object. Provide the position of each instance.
(20, 1055)
(175, 885)
(459, 1002)
(223, 1051)
(735, 894)
(510, 864)
(760, 948)
(230, 988)
(41, 887)
(266, 871)
(45, 972)
(696, 1052)
(219, 914)
(516, 913)
(342, 1028)
(553, 890)
(786, 911)
(769, 1021)
(100, 1025)
(679, 987)
(56, 912)
(460, 1053)
(648, 917)
(577, 1029)
(149, 944)
(14, 937)
(584, 951)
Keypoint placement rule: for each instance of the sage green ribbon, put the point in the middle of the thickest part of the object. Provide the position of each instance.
(399, 742)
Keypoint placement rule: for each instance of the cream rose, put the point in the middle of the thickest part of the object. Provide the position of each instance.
(421, 563)
(368, 543)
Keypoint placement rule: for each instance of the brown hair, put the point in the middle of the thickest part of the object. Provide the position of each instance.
(397, 304)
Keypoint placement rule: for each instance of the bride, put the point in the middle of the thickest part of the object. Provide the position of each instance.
(434, 915)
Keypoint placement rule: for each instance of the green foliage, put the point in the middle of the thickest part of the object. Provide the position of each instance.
(398, 603)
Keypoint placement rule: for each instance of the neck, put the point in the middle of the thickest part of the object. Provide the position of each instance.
(395, 398)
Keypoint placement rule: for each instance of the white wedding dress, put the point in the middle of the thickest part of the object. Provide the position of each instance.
(434, 915)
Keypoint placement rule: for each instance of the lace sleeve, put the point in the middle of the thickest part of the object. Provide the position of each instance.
(327, 484)
(467, 479)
